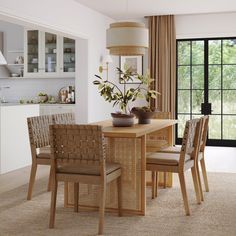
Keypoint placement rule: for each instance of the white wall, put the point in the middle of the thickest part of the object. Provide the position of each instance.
(71, 18)
(205, 25)
(220, 159)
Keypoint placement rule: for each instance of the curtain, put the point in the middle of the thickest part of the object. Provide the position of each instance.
(162, 61)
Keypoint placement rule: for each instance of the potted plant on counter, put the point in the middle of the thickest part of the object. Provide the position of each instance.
(122, 97)
(43, 97)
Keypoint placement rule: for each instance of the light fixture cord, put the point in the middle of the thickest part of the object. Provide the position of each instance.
(127, 8)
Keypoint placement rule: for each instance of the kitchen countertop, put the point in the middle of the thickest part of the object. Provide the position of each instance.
(44, 104)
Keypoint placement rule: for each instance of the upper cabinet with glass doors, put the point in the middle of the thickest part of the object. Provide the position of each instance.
(48, 55)
(50, 49)
(68, 56)
(32, 51)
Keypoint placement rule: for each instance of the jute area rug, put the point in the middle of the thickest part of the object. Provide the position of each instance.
(165, 215)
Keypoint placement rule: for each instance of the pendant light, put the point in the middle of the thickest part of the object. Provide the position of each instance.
(127, 38)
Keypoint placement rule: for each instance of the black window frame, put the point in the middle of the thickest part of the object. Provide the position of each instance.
(211, 142)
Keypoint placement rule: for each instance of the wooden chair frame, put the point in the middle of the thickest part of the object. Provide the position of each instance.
(201, 157)
(156, 141)
(81, 145)
(190, 146)
(38, 128)
(202, 151)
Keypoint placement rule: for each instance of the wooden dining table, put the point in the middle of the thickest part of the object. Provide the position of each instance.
(127, 146)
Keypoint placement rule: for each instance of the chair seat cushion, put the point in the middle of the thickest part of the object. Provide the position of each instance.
(170, 159)
(171, 149)
(174, 149)
(44, 152)
(84, 169)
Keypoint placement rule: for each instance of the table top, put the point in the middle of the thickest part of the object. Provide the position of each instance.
(137, 130)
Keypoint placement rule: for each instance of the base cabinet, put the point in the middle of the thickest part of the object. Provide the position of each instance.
(14, 139)
(50, 109)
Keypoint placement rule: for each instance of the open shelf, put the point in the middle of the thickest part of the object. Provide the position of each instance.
(15, 64)
(16, 51)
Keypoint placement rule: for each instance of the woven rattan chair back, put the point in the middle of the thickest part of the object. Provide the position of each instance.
(64, 118)
(191, 140)
(159, 139)
(39, 130)
(162, 115)
(204, 132)
(77, 143)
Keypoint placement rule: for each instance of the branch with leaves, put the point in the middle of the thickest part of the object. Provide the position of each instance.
(112, 93)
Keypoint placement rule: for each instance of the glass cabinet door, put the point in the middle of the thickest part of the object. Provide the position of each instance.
(68, 55)
(32, 51)
(51, 51)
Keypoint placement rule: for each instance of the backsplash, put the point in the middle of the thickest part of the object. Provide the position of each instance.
(29, 88)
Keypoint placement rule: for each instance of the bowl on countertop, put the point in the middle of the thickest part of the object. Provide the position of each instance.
(15, 75)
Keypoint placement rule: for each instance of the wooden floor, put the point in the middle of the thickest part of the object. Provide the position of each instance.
(17, 178)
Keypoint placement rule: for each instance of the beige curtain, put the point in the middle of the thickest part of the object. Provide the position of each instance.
(162, 61)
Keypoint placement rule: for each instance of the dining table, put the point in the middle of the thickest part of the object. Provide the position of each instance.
(126, 146)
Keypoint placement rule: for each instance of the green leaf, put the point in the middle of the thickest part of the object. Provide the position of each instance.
(98, 76)
(96, 82)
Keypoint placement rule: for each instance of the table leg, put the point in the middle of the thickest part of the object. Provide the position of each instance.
(143, 174)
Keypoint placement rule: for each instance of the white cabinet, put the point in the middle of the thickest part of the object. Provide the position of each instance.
(67, 56)
(14, 139)
(50, 109)
(48, 55)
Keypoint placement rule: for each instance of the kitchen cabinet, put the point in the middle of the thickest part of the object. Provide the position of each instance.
(48, 54)
(15, 150)
(14, 139)
(67, 50)
(50, 109)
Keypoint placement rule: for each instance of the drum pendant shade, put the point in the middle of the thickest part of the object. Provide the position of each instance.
(127, 38)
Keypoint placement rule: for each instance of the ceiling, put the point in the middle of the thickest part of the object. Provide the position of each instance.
(131, 9)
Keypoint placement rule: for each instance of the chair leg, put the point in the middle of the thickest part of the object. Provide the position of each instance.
(119, 191)
(102, 208)
(76, 197)
(204, 174)
(165, 179)
(53, 204)
(153, 184)
(200, 182)
(31, 181)
(196, 184)
(50, 180)
(184, 193)
(156, 189)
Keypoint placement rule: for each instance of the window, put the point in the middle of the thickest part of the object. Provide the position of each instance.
(206, 84)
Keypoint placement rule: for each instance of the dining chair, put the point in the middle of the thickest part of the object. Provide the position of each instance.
(156, 141)
(38, 128)
(179, 163)
(78, 156)
(201, 157)
(64, 118)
